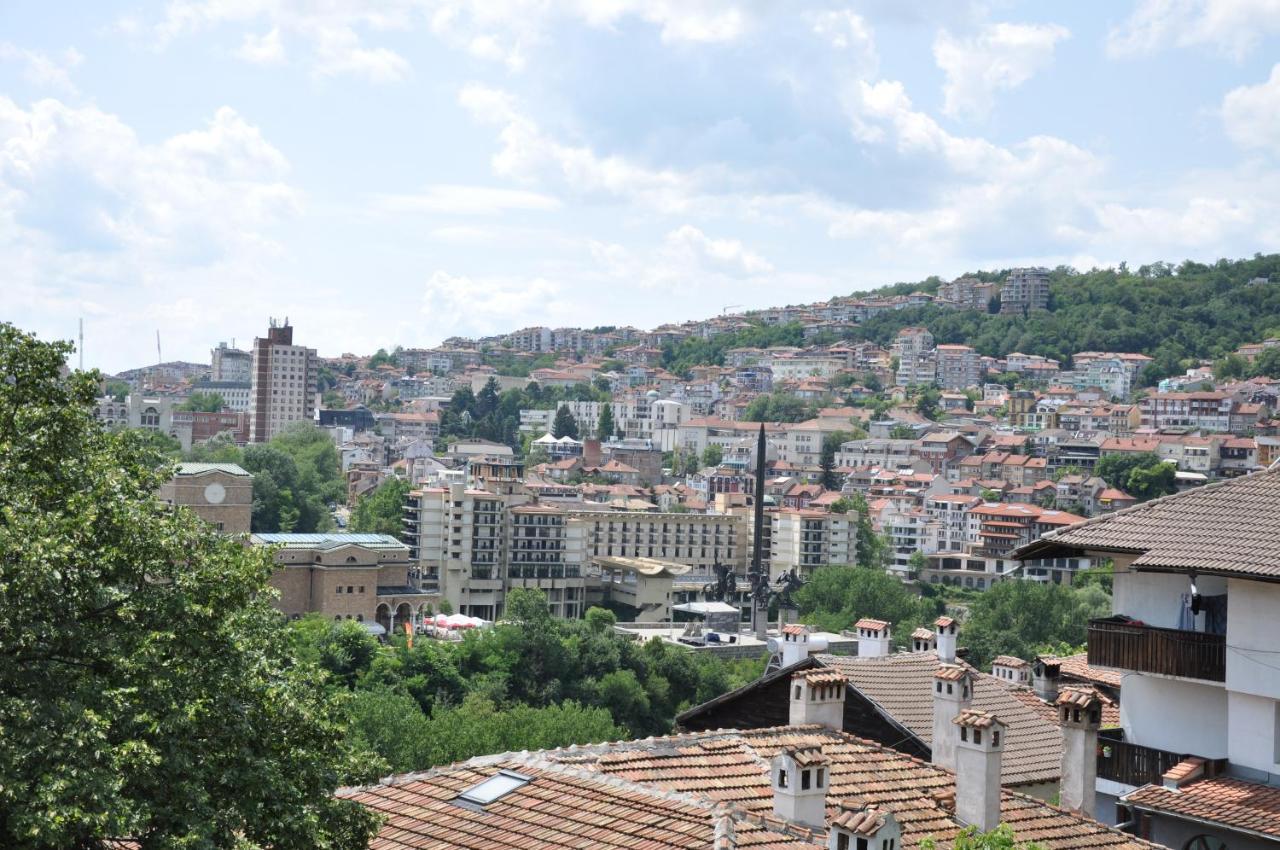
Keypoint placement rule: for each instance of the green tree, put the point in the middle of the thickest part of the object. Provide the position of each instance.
(206, 402)
(1019, 617)
(565, 425)
(179, 717)
(712, 455)
(605, 427)
(382, 511)
(381, 358)
(836, 597)
(831, 444)
(902, 432)
(1142, 475)
(971, 838)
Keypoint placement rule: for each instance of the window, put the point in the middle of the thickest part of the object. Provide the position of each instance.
(822, 776)
(495, 787)
(964, 733)
(995, 737)
(977, 736)
(842, 841)
(338, 589)
(805, 780)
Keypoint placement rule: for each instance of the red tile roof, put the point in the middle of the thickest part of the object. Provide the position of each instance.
(1233, 803)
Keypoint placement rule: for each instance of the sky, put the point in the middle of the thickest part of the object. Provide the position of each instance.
(403, 171)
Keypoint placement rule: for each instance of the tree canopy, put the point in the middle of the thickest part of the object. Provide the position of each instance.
(1023, 618)
(146, 685)
(382, 511)
(836, 597)
(1142, 475)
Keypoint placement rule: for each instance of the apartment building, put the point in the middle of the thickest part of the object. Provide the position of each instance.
(283, 383)
(1025, 291)
(888, 453)
(968, 293)
(804, 540)
(230, 364)
(698, 541)
(949, 514)
(545, 551)
(1116, 374)
(1196, 760)
(958, 367)
(1208, 411)
(917, 361)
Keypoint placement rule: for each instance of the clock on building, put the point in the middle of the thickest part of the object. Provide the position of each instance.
(215, 493)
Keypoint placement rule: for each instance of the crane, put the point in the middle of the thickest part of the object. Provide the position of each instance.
(725, 310)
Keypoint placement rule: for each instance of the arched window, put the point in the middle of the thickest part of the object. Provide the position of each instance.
(150, 418)
(1205, 842)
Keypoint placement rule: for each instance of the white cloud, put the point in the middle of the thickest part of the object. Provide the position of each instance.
(849, 33)
(1002, 56)
(1251, 114)
(1234, 27)
(265, 49)
(729, 255)
(467, 200)
(491, 304)
(42, 69)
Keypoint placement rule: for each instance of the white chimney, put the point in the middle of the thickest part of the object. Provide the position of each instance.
(952, 694)
(874, 638)
(1044, 677)
(923, 640)
(1011, 670)
(982, 739)
(945, 630)
(817, 697)
(798, 643)
(799, 779)
(1080, 715)
(859, 825)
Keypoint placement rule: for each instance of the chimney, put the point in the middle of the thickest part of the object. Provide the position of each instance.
(874, 638)
(1080, 715)
(799, 780)
(860, 825)
(978, 769)
(952, 694)
(798, 643)
(817, 696)
(945, 631)
(591, 453)
(923, 640)
(1011, 670)
(1044, 678)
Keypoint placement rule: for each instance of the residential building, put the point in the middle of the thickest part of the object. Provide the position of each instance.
(235, 394)
(545, 551)
(917, 360)
(958, 367)
(1026, 290)
(1194, 633)
(283, 383)
(803, 540)
(1205, 410)
(230, 365)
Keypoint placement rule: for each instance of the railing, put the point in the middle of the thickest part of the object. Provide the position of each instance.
(1131, 764)
(1134, 646)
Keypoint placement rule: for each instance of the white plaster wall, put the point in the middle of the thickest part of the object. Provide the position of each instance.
(1252, 738)
(1155, 598)
(1174, 715)
(1253, 638)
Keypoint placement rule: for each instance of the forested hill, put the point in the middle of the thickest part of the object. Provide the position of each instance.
(1191, 311)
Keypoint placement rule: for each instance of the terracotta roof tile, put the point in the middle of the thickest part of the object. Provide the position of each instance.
(974, 718)
(873, 625)
(1234, 803)
(1009, 661)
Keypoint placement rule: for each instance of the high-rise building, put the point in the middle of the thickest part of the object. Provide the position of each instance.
(1025, 291)
(231, 365)
(958, 368)
(283, 383)
(917, 359)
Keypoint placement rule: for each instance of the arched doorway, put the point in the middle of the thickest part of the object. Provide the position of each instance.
(404, 614)
(383, 616)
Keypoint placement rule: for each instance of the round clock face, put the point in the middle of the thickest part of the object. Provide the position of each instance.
(215, 493)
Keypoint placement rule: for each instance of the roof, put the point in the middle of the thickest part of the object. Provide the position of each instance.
(1233, 803)
(1009, 661)
(1230, 527)
(203, 468)
(900, 685)
(560, 806)
(328, 541)
(731, 768)
(1077, 667)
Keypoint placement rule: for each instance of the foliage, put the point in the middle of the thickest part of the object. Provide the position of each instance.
(1142, 475)
(778, 407)
(205, 402)
(831, 444)
(178, 716)
(712, 455)
(696, 351)
(1019, 617)
(381, 358)
(565, 425)
(118, 389)
(902, 432)
(605, 427)
(970, 838)
(382, 511)
(836, 597)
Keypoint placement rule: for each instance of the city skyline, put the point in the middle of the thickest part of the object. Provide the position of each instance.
(433, 169)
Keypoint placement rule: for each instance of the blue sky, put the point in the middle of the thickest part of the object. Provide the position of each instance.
(403, 171)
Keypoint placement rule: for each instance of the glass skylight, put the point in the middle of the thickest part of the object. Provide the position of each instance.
(495, 787)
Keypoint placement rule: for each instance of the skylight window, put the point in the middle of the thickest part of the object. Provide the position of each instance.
(495, 787)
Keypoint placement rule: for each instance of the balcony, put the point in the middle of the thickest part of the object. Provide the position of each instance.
(1129, 763)
(1127, 645)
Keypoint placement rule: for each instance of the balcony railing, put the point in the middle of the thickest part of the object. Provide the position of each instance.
(1127, 645)
(1131, 764)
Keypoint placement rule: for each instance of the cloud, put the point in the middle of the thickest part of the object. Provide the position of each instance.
(265, 49)
(1251, 114)
(467, 200)
(729, 255)
(1001, 57)
(1234, 27)
(849, 33)
(491, 304)
(42, 69)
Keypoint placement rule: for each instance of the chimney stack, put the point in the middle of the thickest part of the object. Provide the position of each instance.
(799, 779)
(978, 769)
(858, 824)
(952, 694)
(1010, 669)
(1080, 715)
(1044, 679)
(798, 643)
(923, 640)
(945, 630)
(817, 696)
(874, 638)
